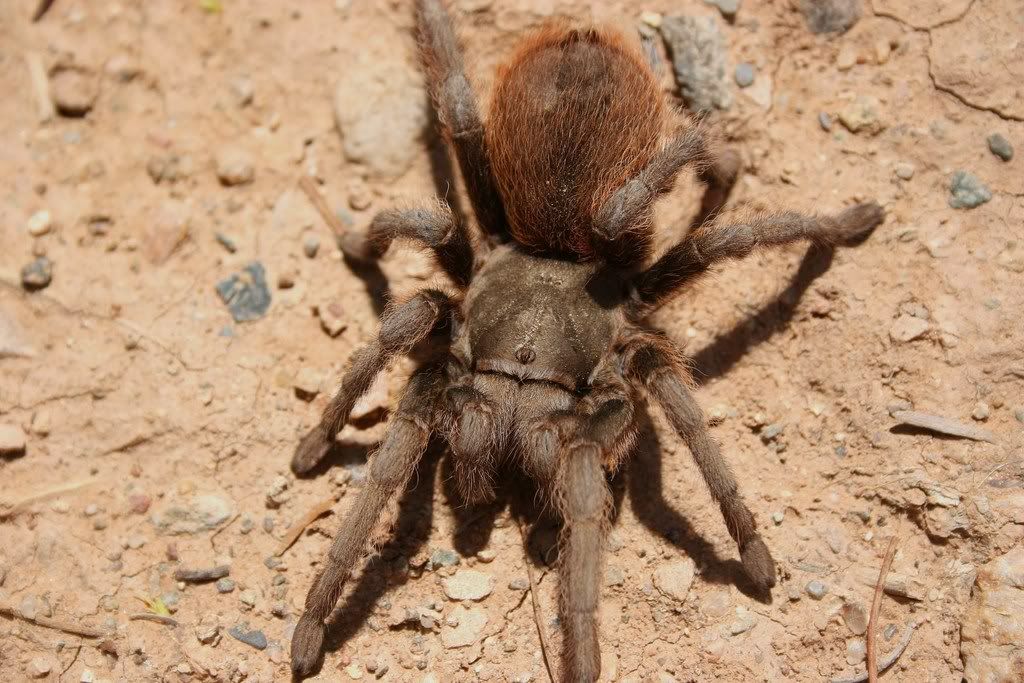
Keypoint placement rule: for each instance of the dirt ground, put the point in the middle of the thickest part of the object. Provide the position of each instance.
(158, 430)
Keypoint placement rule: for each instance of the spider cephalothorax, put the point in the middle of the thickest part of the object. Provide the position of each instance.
(546, 352)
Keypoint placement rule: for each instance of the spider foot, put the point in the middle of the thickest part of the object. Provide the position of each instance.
(307, 646)
(859, 221)
(758, 564)
(310, 452)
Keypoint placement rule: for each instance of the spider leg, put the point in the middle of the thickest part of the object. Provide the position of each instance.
(400, 330)
(388, 471)
(436, 227)
(652, 361)
(704, 247)
(458, 113)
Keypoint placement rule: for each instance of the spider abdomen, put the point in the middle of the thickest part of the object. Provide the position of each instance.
(540, 318)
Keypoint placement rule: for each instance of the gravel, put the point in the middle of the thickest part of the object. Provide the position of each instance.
(863, 114)
(698, 56)
(830, 16)
(39, 223)
(443, 557)
(74, 90)
(246, 293)
(816, 589)
(234, 167)
(1000, 146)
(226, 242)
(13, 441)
(744, 74)
(37, 275)
(905, 170)
(966, 191)
(225, 585)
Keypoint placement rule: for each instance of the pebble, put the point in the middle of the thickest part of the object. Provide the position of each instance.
(816, 589)
(246, 293)
(37, 275)
(1019, 415)
(463, 627)
(674, 578)
(373, 405)
(166, 232)
(332, 318)
(905, 170)
(846, 58)
(242, 90)
(468, 584)
(825, 121)
(830, 16)
(697, 49)
(907, 328)
(981, 411)
(443, 557)
(74, 90)
(863, 114)
(519, 584)
(745, 620)
(744, 74)
(487, 555)
(856, 650)
(39, 223)
(13, 441)
(614, 576)
(40, 667)
(1000, 146)
(307, 383)
(202, 513)
(728, 8)
(225, 585)
(208, 630)
(967, 191)
(771, 432)
(778, 516)
(277, 492)
(203, 575)
(856, 618)
(310, 246)
(248, 597)
(254, 638)
(234, 167)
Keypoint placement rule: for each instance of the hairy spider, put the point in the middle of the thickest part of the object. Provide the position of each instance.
(546, 350)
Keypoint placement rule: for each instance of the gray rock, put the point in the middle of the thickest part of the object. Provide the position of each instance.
(246, 293)
(225, 585)
(519, 584)
(744, 74)
(674, 578)
(907, 328)
(614, 576)
(905, 170)
(254, 638)
(234, 167)
(771, 432)
(12, 441)
(863, 114)
(825, 121)
(442, 557)
(468, 584)
(202, 513)
(967, 191)
(248, 597)
(310, 246)
(698, 56)
(37, 275)
(991, 630)
(74, 90)
(816, 589)
(830, 16)
(1000, 146)
(728, 8)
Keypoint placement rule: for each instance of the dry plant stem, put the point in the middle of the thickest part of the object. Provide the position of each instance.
(155, 618)
(321, 508)
(40, 87)
(889, 660)
(45, 494)
(876, 604)
(943, 425)
(307, 185)
(55, 624)
(537, 620)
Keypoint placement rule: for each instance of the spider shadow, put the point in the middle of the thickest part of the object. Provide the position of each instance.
(718, 358)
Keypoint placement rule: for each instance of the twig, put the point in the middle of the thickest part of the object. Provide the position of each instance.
(155, 618)
(323, 507)
(13, 509)
(943, 425)
(889, 660)
(307, 186)
(40, 87)
(876, 605)
(204, 575)
(537, 618)
(55, 624)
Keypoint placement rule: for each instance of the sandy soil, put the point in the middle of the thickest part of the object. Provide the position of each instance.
(147, 410)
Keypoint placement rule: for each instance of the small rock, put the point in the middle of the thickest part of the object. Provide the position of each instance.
(277, 493)
(1000, 146)
(37, 275)
(904, 170)
(856, 618)
(614, 576)
(203, 513)
(166, 232)
(519, 584)
(234, 167)
(468, 584)
(991, 630)
(674, 578)
(1019, 415)
(12, 441)
(816, 589)
(202, 575)
(728, 8)
(981, 411)
(248, 598)
(745, 620)
(40, 667)
(907, 328)
(254, 638)
(242, 90)
(208, 630)
(967, 191)
(744, 74)
(138, 503)
(778, 516)
(332, 318)
(830, 16)
(863, 114)
(310, 246)
(698, 56)
(846, 59)
(307, 383)
(246, 293)
(825, 121)
(225, 585)
(856, 650)
(74, 90)
(443, 557)
(487, 555)
(469, 626)
(771, 432)
(39, 223)
(226, 242)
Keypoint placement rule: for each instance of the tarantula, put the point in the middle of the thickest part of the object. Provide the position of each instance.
(546, 350)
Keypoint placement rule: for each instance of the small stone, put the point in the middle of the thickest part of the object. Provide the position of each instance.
(307, 383)
(166, 232)
(614, 576)
(138, 503)
(135, 542)
(248, 598)
(674, 578)
(359, 196)
(202, 513)
(847, 57)
(310, 246)
(208, 630)
(856, 650)
(816, 589)
(463, 627)
(246, 293)
(830, 16)
(519, 584)
(778, 516)
(242, 90)
(88, 676)
(39, 223)
(698, 56)
(856, 618)
(907, 328)
(863, 114)
(904, 170)
(981, 411)
(332, 318)
(443, 557)
(744, 74)
(39, 667)
(728, 8)
(37, 275)
(967, 191)
(74, 90)
(745, 620)
(1000, 146)
(234, 167)
(225, 585)
(1019, 415)
(13, 441)
(277, 493)
(226, 242)
(468, 584)
(771, 432)
(252, 638)
(487, 555)
(883, 50)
